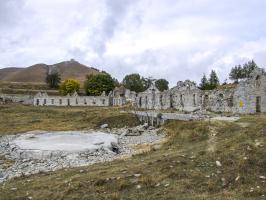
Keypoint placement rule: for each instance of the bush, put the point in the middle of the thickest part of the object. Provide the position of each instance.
(69, 86)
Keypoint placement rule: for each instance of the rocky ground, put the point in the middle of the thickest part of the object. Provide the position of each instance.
(13, 165)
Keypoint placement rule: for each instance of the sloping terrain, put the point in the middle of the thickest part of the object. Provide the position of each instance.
(200, 160)
(37, 73)
(7, 71)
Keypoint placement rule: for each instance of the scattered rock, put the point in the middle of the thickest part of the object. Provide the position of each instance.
(115, 147)
(262, 177)
(138, 186)
(137, 175)
(134, 132)
(104, 126)
(218, 163)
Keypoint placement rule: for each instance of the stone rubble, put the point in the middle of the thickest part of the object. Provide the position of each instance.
(58, 160)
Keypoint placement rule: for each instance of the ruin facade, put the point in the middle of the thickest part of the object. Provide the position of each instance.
(43, 99)
(249, 96)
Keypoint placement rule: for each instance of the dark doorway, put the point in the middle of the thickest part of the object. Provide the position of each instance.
(140, 101)
(68, 102)
(258, 104)
(205, 101)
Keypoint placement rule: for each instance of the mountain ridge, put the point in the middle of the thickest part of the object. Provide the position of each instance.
(37, 72)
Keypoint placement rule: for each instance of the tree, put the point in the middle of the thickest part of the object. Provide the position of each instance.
(162, 84)
(147, 82)
(69, 86)
(236, 73)
(135, 83)
(204, 84)
(53, 79)
(116, 82)
(248, 68)
(99, 83)
(214, 80)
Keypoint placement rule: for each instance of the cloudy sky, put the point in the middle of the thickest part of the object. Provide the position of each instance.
(172, 39)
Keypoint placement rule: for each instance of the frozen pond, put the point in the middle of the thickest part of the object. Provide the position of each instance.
(68, 141)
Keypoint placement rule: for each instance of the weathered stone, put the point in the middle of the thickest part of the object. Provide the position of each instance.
(104, 126)
(249, 96)
(218, 163)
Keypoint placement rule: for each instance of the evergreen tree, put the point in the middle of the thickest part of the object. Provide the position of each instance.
(214, 80)
(248, 68)
(53, 79)
(238, 72)
(204, 84)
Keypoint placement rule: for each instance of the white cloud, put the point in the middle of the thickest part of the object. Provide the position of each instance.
(170, 39)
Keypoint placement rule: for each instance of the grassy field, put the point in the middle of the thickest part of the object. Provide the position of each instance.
(19, 118)
(183, 168)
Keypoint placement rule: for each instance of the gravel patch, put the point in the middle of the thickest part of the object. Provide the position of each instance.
(55, 160)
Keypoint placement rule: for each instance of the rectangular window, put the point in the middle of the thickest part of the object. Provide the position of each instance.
(52, 101)
(194, 99)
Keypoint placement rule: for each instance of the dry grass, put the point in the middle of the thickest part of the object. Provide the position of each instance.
(182, 168)
(19, 118)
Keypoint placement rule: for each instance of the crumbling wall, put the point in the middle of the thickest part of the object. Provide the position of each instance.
(10, 98)
(42, 99)
(218, 100)
(186, 96)
(250, 95)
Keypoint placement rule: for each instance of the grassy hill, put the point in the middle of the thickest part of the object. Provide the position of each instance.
(37, 73)
(184, 167)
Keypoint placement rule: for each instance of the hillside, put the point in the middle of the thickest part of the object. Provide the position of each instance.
(7, 71)
(37, 73)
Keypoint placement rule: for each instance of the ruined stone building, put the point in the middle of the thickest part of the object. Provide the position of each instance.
(118, 97)
(249, 96)
(42, 99)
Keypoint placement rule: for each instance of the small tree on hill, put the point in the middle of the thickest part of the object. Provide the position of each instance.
(99, 83)
(53, 79)
(69, 86)
(162, 84)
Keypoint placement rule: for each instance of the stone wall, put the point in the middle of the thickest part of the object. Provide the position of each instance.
(248, 97)
(10, 98)
(42, 99)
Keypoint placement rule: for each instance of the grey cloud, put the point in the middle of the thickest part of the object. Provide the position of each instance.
(115, 11)
(49, 31)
